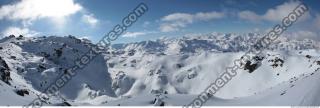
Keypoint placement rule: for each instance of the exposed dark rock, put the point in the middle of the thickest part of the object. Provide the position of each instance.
(165, 92)
(308, 56)
(65, 71)
(133, 61)
(158, 102)
(258, 58)
(153, 101)
(22, 92)
(159, 71)
(5, 76)
(161, 104)
(20, 37)
(13, 57)
(151, 72)
(4, 71)
(12, 36)
(179, 66)
(291, 86)
(250, 67)
(67, 104)
(58, 52)
(209, 95)
(131, 52)
(42, 66)
(192, 75)
(274, 65)
(111, 65)
(283, 93)
(4, 64)
(276, 62)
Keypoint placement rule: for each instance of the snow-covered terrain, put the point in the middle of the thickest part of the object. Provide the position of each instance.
(161, 72)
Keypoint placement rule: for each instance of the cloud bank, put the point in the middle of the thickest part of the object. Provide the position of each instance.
(176, 21)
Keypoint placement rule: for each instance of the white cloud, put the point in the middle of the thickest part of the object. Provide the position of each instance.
(185, 17)
(176, 21)
(172, 26)
(281, 11)
(133, 34)
(209, 15)
(273, 14)
(30, 10)
(19, 31)
(90, 19)
(249, 15)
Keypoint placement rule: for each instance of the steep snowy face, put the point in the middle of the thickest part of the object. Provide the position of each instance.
(39, 62)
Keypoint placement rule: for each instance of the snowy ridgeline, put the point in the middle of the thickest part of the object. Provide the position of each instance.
(215, 42)
(160, 72)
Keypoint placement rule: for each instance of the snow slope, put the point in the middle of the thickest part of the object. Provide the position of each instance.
(187, 66)
(161, 72)
(302, 92)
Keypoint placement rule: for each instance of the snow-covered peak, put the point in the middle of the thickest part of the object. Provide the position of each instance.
(37, 62)
(214, 42)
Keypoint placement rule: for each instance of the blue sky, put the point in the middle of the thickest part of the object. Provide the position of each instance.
(166, 18)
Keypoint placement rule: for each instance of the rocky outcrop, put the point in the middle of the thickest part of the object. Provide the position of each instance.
(4, 71)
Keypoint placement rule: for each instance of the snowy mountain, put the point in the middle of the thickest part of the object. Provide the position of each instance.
(214, 42)
(161, 72)
(33, 64)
